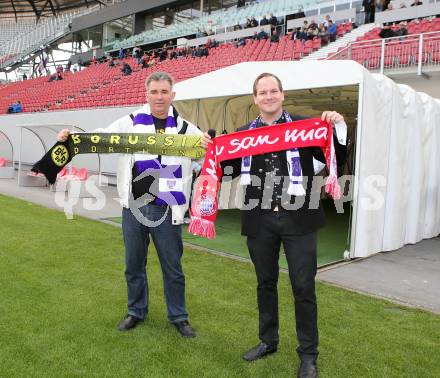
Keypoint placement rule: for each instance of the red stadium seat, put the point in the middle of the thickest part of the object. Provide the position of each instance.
(316, 43)
(373, 63)
(435, 57)
(404, 59)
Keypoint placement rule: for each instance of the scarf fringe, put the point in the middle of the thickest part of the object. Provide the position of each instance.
(245, 179)
(296, 190)
(332, 187)
(202, 227)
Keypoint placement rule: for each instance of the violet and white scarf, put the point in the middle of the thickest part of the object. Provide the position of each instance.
(169, 168)
(293, 164)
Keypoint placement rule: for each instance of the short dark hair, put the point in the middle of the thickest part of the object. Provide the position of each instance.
(266, 74)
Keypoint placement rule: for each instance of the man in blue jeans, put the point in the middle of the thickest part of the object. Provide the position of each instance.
(154, 191)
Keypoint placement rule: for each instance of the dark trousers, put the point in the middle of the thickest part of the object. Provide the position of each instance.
(167, 239)
(275, 228)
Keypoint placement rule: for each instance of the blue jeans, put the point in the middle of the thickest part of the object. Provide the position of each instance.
(167, 239)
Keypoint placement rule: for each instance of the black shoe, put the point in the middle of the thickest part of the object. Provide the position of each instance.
(129, 322)
(307, 369)
(185, 329)
(259, 351)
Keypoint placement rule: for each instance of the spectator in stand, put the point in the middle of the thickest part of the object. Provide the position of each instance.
(264, 21)
(388, 32)
(254, 22)
(326, 20)
(53, 77)
(151, 62)
(181, 53)
(379, 6)
(237, 26)
(332, 31)
(304, 29)
(390, 7)
(15, 107)
(300, 33)
(241, 3)
(262, 35)
(293, 34)
(323, 34)
(121, 54)
(162, 55)
(126, 69)
(248, 24)
(240, 42)
(111, 62)
(144, 61)
(369, 9)
(200, 51)
(273, 20)
(69, 64)
(275, 37)
(312, 31)
(385, 4)
(137, 54)
(24, 76)
(416, 3)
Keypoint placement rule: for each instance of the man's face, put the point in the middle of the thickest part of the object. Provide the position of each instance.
(160, 96)
(269, 98)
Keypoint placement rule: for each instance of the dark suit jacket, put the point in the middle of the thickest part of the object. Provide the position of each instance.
(305, 219)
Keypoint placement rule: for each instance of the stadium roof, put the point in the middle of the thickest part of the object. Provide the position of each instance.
(40, 8)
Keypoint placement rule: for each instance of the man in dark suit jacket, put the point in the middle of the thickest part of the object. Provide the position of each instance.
(274, 217)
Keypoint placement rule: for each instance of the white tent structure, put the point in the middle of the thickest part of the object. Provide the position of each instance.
(395, 133)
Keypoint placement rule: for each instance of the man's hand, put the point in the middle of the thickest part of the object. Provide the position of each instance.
(332, 116)
(206, 139)
(63, 135)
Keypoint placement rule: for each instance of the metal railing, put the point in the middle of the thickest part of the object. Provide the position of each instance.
(412, 53)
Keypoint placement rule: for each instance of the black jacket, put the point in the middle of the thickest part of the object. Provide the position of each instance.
(305, 219)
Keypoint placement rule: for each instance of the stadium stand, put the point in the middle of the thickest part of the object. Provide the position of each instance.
(101, 86)
(422, 40)
(11, 28)
(217, 22)
(23, 39)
